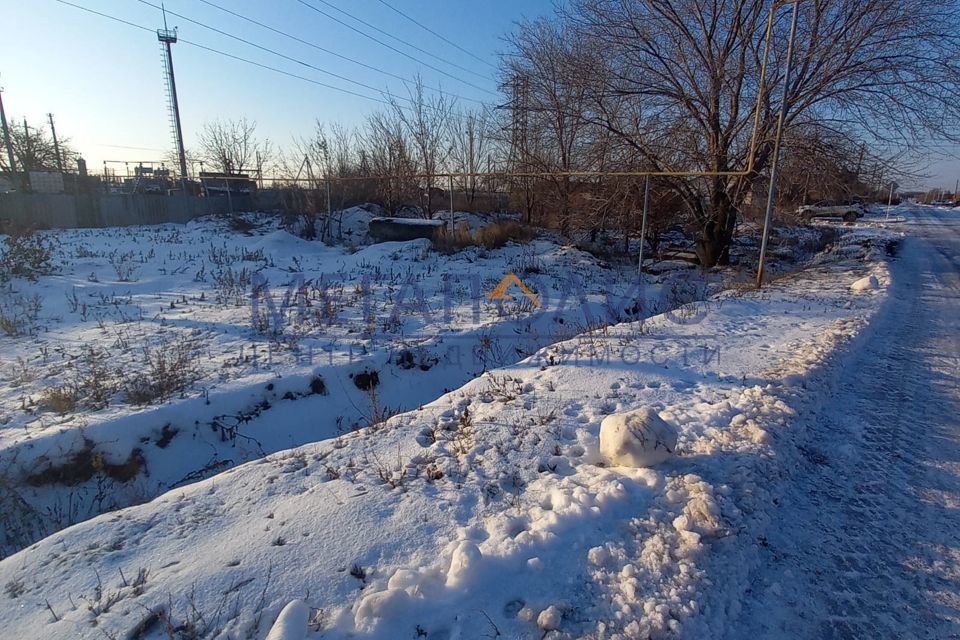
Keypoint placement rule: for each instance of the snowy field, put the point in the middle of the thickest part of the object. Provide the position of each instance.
(488, 511)
(158, 356)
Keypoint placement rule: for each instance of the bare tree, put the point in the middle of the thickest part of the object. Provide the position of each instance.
(554, 101)
(33, 149)
(232, 146)
(425, 119)
(676, 81)
(386, 156)
(469, 148)
(821, 164)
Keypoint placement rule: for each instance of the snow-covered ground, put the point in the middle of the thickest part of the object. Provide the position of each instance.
(868, 523)
(489, 511)
(143, 364)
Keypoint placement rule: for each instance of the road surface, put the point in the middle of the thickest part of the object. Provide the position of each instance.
(866, 543)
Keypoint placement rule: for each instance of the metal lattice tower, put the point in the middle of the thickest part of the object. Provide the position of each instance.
(520, 109)
(168, 37)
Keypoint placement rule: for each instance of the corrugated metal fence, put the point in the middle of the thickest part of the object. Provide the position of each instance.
(64, 211)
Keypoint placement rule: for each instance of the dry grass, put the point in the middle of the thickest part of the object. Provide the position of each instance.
(167, 371)
(61, 400)
(492, 236)
(498, 234)
(27, 255)
(20, 315)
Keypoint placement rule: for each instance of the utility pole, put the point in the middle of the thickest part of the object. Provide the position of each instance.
(167, 38)
(26, 157)
(643, 226)
(56, 144)
(772, 190)
(6, 138)
(453, 225)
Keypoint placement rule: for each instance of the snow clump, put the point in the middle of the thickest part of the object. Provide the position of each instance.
(638, 438)
(549, 618)
(869, 283)
(291, 624)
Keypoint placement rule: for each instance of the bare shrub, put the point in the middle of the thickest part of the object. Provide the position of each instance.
(464, 438)
(447, 241)
(378, 413)
(504, 388)
(493, 236)
(27, 255)
(124, 266)
(19, 315)
(499, 233)
(21, 373)
(94, 382)
(61, 400)
(391, 475)
(168, 370)
(231, 285)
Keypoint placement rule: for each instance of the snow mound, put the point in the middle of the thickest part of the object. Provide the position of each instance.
(291, 624)
(391, 603)
(549, 618)
(869, 283)
(638, 438)
(466, 557)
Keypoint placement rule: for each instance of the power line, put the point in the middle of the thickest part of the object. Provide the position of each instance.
(281, 71)
(123, 146)
(429, 30)
(389, 103)
(328, 51)
(401, 40)
(257, 46)
(394, 49)
(228, 55)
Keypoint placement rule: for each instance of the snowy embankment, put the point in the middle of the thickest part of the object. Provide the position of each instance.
(489, 511)
(146, 366)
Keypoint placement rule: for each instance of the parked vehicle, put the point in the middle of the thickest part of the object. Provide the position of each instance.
(849, 212)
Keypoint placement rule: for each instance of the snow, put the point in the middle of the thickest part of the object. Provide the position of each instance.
(863, 543)
(866, 284)
(638, 438)
(465, 560)
(291, 624)
(413, 222)
(419, 319)
(549, 618)
(487, 508)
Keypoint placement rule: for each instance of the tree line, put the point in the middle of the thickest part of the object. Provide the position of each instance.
(619, 86)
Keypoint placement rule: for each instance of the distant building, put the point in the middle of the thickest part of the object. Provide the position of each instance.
(221, 184)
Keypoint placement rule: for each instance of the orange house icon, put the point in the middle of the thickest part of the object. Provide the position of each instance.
(500, 292)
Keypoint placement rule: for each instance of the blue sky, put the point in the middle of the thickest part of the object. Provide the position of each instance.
(103, 80)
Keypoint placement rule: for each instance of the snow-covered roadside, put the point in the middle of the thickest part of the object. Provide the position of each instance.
(489, 510)
(867, 516)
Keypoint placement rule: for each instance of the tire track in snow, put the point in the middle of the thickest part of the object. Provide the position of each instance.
(866, 540)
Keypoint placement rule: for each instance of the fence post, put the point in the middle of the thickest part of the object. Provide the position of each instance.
(329, 226)
(229, 194)
(643, 225)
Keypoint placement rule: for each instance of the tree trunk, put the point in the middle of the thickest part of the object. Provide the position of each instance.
(713, 246)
